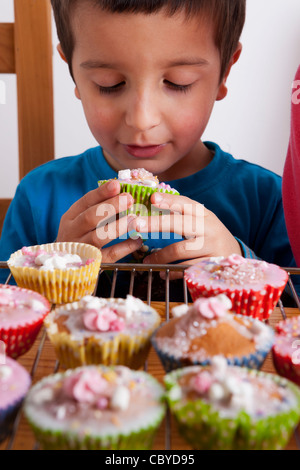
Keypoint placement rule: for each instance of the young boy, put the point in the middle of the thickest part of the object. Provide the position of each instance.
(148, 75)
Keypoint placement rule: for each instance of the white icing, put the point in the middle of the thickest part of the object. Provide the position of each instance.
(49, 262)
(5, 372)
(43, 395)
(124, 174)
(120, 398)
(180, 310)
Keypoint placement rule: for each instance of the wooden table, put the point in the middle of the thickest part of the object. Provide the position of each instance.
(42, 359)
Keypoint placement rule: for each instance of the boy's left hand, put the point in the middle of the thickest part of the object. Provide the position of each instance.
(204, 234)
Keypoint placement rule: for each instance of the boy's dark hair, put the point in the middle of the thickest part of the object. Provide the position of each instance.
(228, 17)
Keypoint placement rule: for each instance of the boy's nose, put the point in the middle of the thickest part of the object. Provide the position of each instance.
(142, 113)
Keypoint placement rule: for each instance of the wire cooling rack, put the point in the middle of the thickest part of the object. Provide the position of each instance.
(134, 271)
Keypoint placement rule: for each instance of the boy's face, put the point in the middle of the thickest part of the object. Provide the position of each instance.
(147, 84)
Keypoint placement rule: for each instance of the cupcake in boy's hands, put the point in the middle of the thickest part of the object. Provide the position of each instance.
(14, 384)
(223, 408)
(286, 349)
(22, 312)
(96, 407)
(253, 286)
(62, 272)
(102, 331)
(141, 184)
(206, 329)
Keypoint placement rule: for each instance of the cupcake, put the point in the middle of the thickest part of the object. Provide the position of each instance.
(22, 312)
(102, 331)
(206, 329)
(286, 349)
(141, 184)
(62, 272)
(220, 407)
(14, 384)
(253, 286)
(96, 408)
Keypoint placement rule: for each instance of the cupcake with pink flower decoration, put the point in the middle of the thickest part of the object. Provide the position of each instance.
(141, 184)
(208, 328)
(102, 331)
(95, 408)
(253, 286)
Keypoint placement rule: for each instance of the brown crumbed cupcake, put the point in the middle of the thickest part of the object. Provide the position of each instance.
(207, 329)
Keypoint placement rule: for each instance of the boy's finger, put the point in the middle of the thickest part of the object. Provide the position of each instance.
(187, 226)
(94, 197)
(101, 214)
(120, 250)
(111, 229)
(187, 249)
(176, 204)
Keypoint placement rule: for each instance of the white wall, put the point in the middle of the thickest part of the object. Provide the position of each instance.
(252, 122)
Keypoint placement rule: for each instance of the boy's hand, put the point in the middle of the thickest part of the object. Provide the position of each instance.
(204, 233)
(93, 219)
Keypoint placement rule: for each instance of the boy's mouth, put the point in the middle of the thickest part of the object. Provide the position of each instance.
(143, 152)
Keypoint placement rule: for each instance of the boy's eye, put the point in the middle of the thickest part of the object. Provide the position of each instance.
(111, 89)
(177, 87)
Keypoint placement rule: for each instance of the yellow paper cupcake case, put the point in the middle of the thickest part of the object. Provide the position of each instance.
(115, 349)
(60, 285)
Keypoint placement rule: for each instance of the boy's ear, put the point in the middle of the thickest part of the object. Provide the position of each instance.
(223, 87)
(60, 51)
(62, 55)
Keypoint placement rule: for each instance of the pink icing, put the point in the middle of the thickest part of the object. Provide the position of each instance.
(85, 387)
(202, 382)
(142, 176)
(287, 347)
(240, 273)
(89, 261)
(19, 307)
(210, 308)
(233, 259)
(14, 387)
(290, 327)
(104, 320)
(102, 403)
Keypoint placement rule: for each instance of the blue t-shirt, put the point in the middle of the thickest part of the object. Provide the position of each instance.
(244, 196)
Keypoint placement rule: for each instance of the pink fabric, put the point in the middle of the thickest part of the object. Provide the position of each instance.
(291, 174)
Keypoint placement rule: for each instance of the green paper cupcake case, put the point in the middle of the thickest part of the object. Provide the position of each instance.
(141, 195)
(53, 438)
(204, 428)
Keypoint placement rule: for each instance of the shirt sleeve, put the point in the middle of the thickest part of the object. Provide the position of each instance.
(246, 251)
(18, 229)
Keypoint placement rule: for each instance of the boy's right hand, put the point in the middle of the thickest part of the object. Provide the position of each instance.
(93, 219)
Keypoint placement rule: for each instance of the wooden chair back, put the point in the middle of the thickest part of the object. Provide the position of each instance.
(26, 50)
